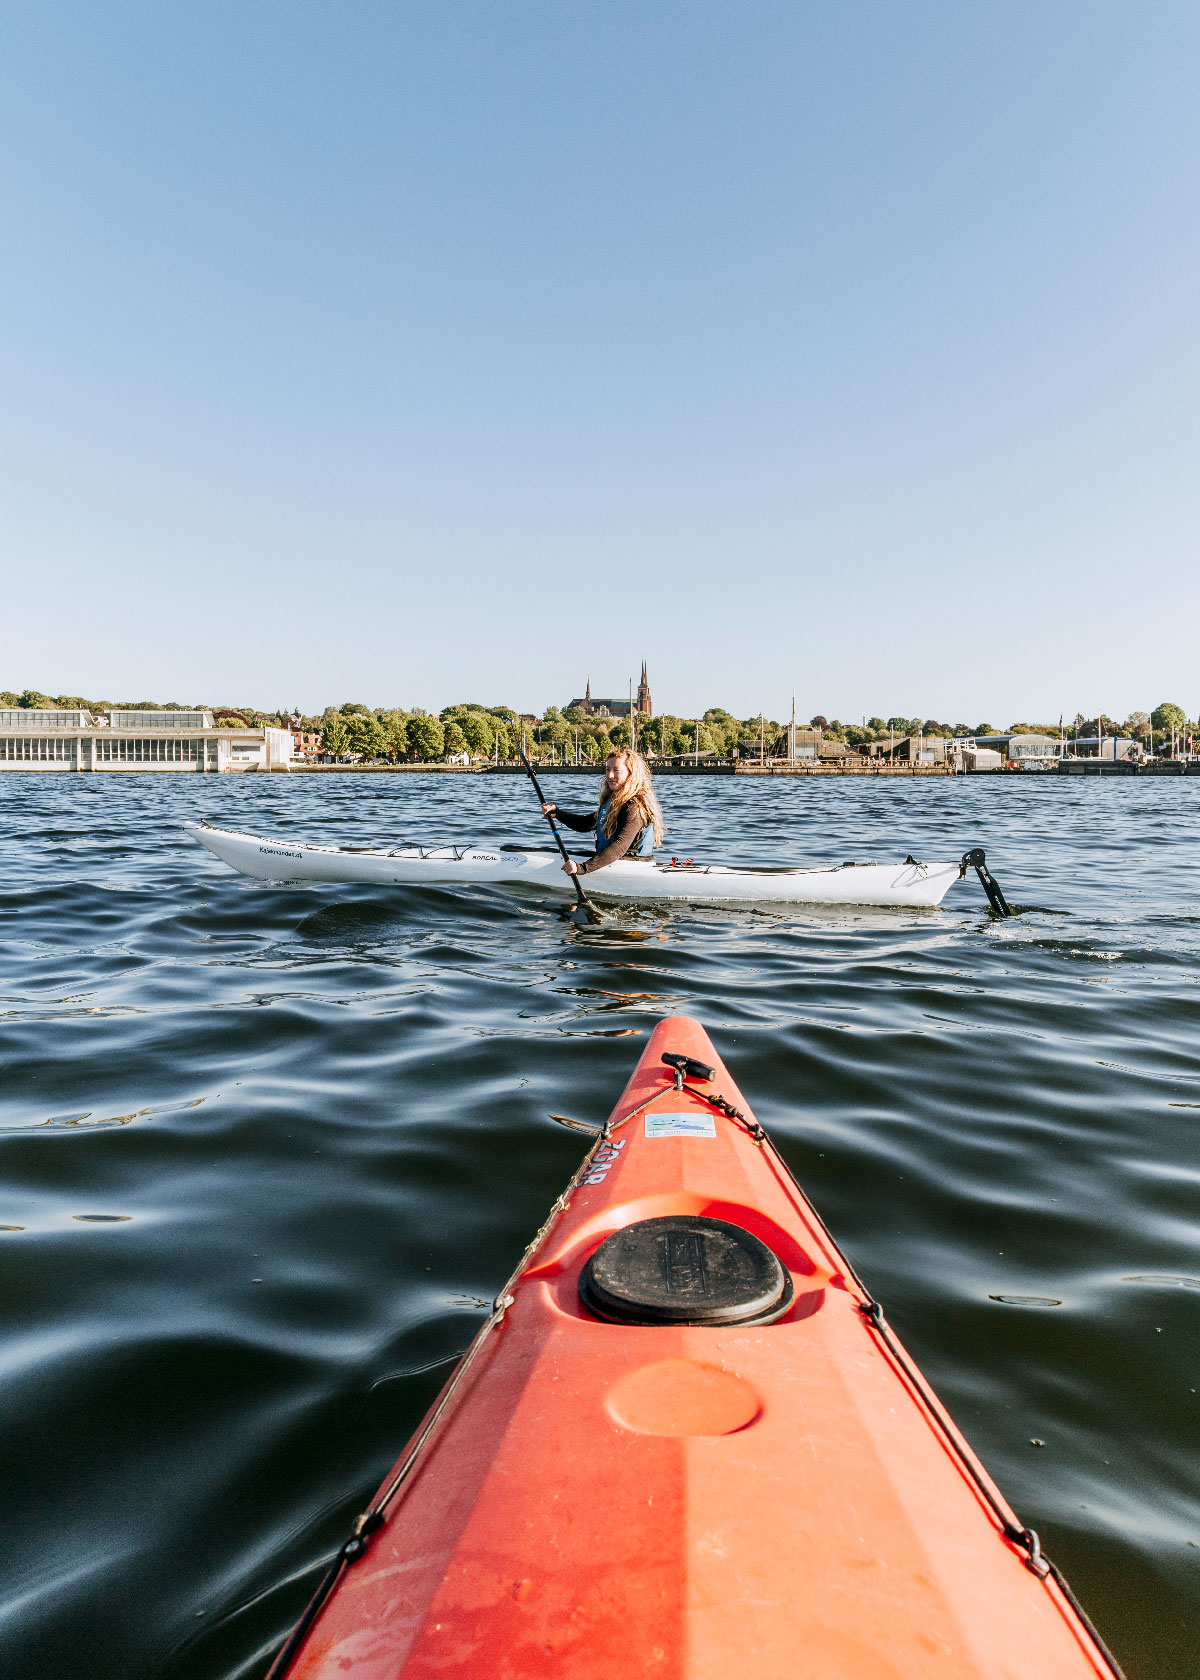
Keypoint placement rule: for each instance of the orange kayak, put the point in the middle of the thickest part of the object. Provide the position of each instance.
(686, 1444)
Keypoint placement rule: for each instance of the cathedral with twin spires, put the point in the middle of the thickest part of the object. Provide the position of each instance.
(643, 706)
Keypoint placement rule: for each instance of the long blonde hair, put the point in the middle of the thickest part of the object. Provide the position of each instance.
(637, 786)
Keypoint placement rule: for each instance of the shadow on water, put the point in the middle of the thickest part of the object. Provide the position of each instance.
(269, 1151)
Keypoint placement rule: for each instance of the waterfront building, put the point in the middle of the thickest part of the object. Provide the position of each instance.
(916, 749)
(1105, 746)
(795, 742)
(971, 760)
(1033, 750)
(135, 740)
(306, 744)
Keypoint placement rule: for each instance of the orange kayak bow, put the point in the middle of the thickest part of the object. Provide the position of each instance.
(686, 1444)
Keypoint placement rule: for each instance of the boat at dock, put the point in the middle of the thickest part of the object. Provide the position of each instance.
(912, 883)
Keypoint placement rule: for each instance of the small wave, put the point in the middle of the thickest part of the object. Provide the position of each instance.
(1164, 1279)
(88, 1119)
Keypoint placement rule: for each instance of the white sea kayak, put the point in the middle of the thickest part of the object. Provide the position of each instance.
(910, 883)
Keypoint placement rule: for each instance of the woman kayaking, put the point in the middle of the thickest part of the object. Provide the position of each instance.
(626, 812)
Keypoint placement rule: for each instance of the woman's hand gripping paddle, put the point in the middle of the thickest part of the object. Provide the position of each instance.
(585, 902)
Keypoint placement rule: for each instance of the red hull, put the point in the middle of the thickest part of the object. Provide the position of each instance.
(785, 1500)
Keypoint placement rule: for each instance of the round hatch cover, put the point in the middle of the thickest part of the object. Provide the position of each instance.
(685, 1270)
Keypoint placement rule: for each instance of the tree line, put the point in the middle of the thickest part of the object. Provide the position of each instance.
(395, 734)
(494, 732)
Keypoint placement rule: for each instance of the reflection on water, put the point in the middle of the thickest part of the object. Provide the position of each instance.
(269, 1152)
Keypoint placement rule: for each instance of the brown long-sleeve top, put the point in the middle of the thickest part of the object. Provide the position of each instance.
(630, 823)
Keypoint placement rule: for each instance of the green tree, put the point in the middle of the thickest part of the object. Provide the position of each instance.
(334, 739)
(1167, 716)
(478, 731)
(1102, 725)
(877, 725)
(650, 735)
(426, 736)
(723, 728)
(395, 733)
(680, 737)
(366, 734)
(35, 701)
(671, 736)
(453, 739)
(352, 708)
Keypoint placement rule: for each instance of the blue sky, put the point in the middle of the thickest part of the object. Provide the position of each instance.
(415, 352)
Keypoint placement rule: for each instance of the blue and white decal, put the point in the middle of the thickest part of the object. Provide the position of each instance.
(687, 1123)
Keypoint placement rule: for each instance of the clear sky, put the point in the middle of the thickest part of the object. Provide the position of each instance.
(411, 351)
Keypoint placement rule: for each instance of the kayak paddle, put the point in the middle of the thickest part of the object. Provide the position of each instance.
(585, 902)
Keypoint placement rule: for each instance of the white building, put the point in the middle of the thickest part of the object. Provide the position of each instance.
(1104, 746)
(1034, 752)
(132, 740)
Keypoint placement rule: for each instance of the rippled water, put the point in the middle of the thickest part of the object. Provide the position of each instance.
(267, 1152)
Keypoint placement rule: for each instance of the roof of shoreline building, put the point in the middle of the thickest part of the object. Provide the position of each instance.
(34, 717)
(160, 720)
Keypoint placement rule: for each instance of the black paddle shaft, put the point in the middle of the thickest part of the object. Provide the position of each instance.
(583, 897)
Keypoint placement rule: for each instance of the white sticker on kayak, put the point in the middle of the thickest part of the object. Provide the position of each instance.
(686, 1124)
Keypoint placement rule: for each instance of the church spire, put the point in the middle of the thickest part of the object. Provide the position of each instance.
(645, 706)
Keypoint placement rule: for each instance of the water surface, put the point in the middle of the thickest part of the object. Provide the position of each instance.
(266, 1153)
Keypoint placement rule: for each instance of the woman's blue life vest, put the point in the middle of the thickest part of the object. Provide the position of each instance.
(645, 838)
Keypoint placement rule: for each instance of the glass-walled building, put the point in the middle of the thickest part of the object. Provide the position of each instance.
(1036, 750)
(133, 740)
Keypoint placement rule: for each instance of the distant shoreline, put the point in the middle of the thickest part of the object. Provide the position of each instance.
(882, 772)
